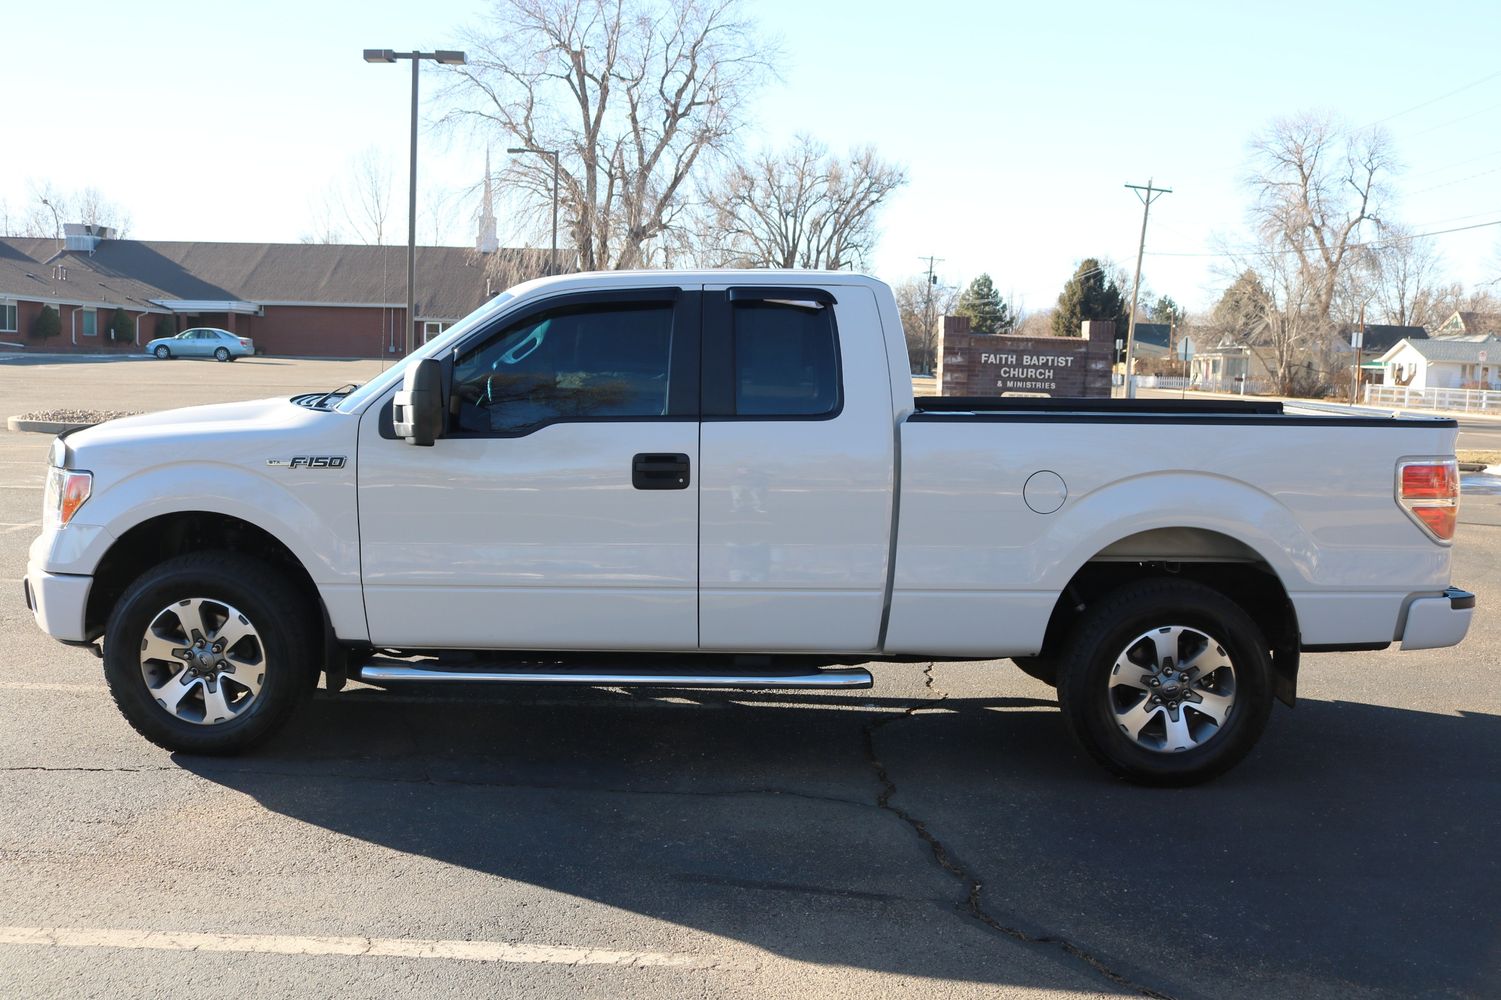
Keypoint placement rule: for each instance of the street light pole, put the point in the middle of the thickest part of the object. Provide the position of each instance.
(447, 57)
(552, 262)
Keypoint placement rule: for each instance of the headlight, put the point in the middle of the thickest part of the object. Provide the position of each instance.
(66, 492)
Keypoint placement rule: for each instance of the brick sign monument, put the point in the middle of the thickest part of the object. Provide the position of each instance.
(972, 364)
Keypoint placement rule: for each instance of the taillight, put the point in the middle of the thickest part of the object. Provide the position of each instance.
(244, 342)
(1428, 489)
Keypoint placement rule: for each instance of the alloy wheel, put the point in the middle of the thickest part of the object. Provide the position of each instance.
(1172, 689)
(203, 661)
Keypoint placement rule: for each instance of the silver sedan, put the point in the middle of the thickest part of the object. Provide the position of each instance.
(202, 342)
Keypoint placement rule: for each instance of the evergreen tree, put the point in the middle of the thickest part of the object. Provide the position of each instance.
(1090, 294)
(47, 324)
(983, 305)
(1165, 310)
(121, 330)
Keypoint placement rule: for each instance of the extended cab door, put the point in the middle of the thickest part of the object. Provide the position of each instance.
(560, 508)
(797, 470)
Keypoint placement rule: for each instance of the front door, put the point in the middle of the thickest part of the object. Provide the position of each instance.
(560, 509)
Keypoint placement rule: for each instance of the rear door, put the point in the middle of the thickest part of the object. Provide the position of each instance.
(560, 509)
(797, 470)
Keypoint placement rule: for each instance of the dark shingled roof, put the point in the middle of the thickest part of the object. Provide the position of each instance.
(1381, 337)
(451, 281)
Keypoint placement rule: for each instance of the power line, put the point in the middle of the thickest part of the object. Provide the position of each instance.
(1435, 100)
(1459, 180)
(1392, 241)
(1456, 121)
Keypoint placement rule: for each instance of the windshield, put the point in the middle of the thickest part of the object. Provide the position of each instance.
(393, 375)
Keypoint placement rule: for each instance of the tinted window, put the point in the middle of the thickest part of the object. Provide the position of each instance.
(578, 364)
(785, 359)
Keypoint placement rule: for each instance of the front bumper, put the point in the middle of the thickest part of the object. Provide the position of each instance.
(58, 602)
(1438, 621)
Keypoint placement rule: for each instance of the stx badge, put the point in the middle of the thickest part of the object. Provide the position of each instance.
(309, 462)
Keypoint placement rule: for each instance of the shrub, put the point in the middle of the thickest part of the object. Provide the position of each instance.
(47, 324)
(121, 329)
(166, 326)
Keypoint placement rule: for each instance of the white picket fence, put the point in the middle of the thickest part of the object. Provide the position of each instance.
(1468, 400)
(1253, 387)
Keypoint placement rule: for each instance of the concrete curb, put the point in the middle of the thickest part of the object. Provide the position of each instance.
(40, 426)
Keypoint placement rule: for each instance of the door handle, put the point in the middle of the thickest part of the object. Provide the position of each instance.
(651, 471)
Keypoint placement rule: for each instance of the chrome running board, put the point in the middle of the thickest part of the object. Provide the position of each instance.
(400, 673)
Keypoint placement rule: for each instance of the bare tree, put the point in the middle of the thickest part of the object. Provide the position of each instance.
(365, 196)
(323, 216)
(1038, 323)
(93, 209)
(1401, 277)
(922, 307)
(49, 209)
(631, 93)
(800, 207)
(1315, 185)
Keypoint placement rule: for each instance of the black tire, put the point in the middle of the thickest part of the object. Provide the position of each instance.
(1106, 630)
(1043, 668)
(163, 352)
(285, 627)
(221, 354)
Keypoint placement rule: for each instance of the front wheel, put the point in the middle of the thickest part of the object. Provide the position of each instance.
(1166, 682)
(221, 354)
(209, 653)
(162, 352)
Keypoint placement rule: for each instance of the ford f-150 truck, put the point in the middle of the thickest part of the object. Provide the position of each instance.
(722, 479)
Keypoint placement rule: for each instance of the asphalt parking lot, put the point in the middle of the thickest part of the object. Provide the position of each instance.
(937, 836)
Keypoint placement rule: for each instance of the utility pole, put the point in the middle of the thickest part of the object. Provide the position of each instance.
(1147, 194)
(1357, 341)
(927, 313)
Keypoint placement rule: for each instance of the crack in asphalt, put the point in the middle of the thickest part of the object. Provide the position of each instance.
(972, 904)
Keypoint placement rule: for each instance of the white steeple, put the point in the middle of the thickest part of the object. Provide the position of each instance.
(487, 241)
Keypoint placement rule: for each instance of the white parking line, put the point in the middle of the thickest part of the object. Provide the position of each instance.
(359, 947)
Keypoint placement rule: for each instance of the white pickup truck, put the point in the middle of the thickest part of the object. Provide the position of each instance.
(721, 479)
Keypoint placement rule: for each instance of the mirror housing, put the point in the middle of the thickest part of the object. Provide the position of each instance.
(417, 414)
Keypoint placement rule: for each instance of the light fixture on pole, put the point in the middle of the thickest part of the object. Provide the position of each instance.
(552, 261)
(447, 57)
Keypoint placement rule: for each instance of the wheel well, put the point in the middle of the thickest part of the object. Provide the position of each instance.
(1217, 561)
(154, 541)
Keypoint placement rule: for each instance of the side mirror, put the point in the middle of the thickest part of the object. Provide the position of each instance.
(418, 411)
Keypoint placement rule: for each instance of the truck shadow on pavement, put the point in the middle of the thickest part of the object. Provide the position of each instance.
(1355, 851)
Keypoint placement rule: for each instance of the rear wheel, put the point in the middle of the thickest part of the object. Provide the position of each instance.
(221, 354)
(1166, 682)
(163, 352)
(209, 653)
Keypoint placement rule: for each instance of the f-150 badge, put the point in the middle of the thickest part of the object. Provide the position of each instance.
(309, 462)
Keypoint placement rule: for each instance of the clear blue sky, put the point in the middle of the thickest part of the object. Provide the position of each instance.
(1018, 123)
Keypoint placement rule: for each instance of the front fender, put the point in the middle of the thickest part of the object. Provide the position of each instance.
(313, 514)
